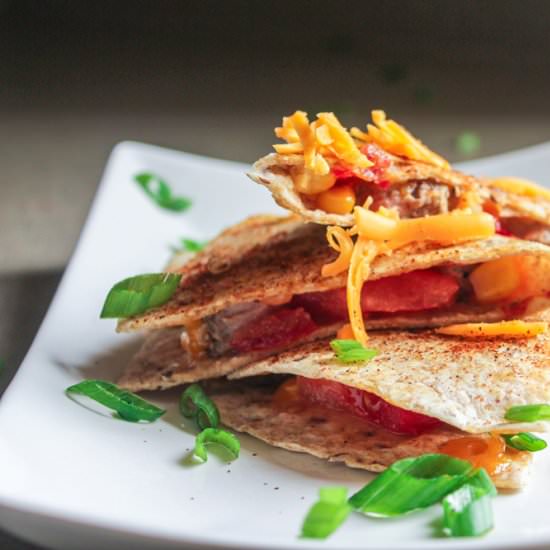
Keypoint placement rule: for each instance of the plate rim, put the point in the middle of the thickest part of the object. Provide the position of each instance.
(25, 506)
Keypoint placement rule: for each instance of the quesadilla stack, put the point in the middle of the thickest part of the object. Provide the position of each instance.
(400, 244)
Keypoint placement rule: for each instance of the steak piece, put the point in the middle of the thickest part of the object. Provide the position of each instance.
(223, 325)
(413, 199)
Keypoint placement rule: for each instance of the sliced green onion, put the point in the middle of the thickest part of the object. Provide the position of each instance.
(480, 479)
(138, 294)
(194, 403)
(351, 351)
(392, 73)
(528, 413)
(410, 484)
(129, 406)
(327, 514)
(467, 512)
(468, 143)
(193, 246)
(423, 94)
(190, 245)
(525, 442)
(158, 190)
(210, 436)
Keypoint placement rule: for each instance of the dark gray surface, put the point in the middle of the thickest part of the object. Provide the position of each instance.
(24, 299)
(214, 78)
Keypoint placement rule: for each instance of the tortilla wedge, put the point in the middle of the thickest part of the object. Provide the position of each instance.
(447, 187)
(468, 385)
(282, 257)
(162, 363)
(247, 406)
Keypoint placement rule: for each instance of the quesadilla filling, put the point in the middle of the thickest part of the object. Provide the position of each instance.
(488, 452)
(509, 282)
(342, 168)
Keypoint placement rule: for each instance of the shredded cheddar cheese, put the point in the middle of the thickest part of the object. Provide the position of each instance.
(446, 229)
(338, 239)
(323, 142)
(505, 329)
(345, 332)
(364, 252)
(395, 139)
(382, 232)
(520, 186)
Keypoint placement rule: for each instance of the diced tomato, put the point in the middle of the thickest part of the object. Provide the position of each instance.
(381, 162)
(277, 328)
(378, 156)
(343, 172)
(365, 405)
(413, 291)
(501, 230)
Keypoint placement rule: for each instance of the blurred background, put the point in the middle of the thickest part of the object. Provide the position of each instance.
(214, 78)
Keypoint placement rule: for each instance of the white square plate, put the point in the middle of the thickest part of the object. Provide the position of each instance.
(75, 478)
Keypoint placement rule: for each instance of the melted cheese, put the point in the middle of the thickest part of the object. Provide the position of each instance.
(395, 139)
(520, 186)
(380, 233)
(323, 142)
(505, 329)
(364, 252)
(446, 229)
(192, 339)
(338, 239)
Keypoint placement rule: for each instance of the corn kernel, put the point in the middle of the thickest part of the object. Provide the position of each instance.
(337, 200)
(496, 280)
(308, 183)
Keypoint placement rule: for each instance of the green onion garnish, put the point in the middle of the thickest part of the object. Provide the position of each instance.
(467, 512)
(480, 479)
(189, 245)
(160, 192)
(351, 351)
(327, 514)
(392, 73)
(410, 484)
(468, 143)
(138, 294)
(218, 437)
(129, 406)
(194, 403)
(528, 413)
(525, 442)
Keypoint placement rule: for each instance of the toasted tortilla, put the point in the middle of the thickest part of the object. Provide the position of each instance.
(512, 205)
(273, 172)
(467, 384)
(336, 436)
(162, 363)
(266, 259)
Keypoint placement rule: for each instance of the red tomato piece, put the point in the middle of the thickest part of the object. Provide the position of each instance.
(378, 156)
(343, 172)
(365, 405)
(414, 291)
(277, 328)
